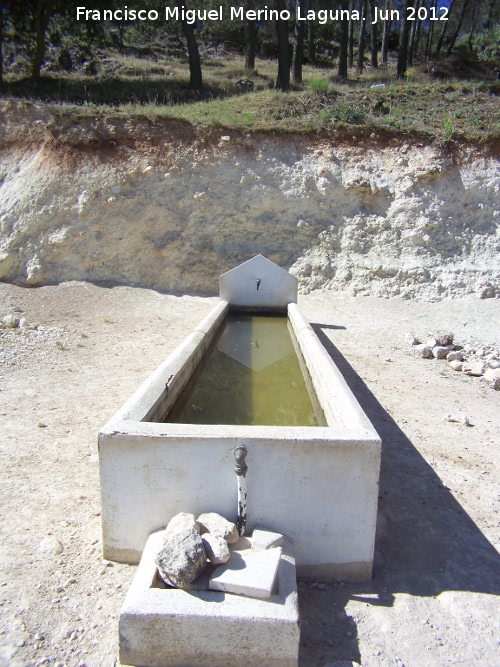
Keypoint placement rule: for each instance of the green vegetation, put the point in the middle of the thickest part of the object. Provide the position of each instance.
(444, 86)
(420, 106)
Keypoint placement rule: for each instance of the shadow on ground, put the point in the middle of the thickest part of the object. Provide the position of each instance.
(426, 543)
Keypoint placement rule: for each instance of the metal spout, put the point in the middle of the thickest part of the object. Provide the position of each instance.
(240, 468)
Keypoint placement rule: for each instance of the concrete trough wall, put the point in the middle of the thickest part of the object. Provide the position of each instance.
(317, 485)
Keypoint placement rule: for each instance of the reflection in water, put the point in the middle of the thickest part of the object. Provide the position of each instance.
(251, 375)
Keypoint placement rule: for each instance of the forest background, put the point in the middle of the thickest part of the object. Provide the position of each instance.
(425, 76)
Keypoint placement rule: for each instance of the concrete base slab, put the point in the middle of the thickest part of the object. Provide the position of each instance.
(167, 627)
(248, 572)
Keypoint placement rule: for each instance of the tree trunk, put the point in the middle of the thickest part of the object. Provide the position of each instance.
(404, 36)
(195, 77)
(443, 31)
(492, 15)
(311, 44)
(1, 43)
(344, 38)
(283, 78)
(350, 37)
(430, 33)
(457, 31)
(385, 34)
(373, 36)
(413, 35)
(472, 26)
(298, 51)
(251, 39)
(417, 38)
(42, 16)
(361, 36)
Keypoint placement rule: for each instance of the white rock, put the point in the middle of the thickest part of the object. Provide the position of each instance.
(444, 339)
(494, 363)
(455, 355)
(266, 539)
(23, 323)
(432, 342)
(411, 340)
(181, 522)
(493, 376)
(216, 547)
(456, 364)
(51, 545)
(422, 351)
(457, 419)
(475, 368)
(440, 352)
(11, 321)
(215, 523)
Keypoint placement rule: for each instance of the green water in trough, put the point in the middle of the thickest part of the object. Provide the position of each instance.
(250, 375)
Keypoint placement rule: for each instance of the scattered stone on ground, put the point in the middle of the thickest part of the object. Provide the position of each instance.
(422, 350)
(459, 419)
(474, 361)
(51, 545)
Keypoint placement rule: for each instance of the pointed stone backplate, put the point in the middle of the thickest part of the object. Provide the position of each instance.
(258, 284)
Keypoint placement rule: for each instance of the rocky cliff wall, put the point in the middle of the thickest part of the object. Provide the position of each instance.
(175, 213)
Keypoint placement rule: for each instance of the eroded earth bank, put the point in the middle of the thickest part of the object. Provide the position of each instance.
(162, 205)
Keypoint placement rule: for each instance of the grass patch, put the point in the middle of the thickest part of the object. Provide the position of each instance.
(156, 88)
(318, 85)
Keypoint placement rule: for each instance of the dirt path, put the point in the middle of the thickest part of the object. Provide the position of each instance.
(432, 600)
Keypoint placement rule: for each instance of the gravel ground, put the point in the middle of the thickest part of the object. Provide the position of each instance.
(433, 599)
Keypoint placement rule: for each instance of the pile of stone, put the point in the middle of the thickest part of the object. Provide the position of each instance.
(211, 544)
(475, 361)
(13, 321)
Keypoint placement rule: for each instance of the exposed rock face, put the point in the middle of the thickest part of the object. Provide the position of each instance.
(175, 214)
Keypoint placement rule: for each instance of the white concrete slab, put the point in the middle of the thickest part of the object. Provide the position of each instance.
(166, 627)
(266, 539)
(248, 572)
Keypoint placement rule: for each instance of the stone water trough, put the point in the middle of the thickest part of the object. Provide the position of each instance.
(312, 475)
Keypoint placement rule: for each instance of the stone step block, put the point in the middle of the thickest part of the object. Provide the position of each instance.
(248, 572)
(169, 627)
